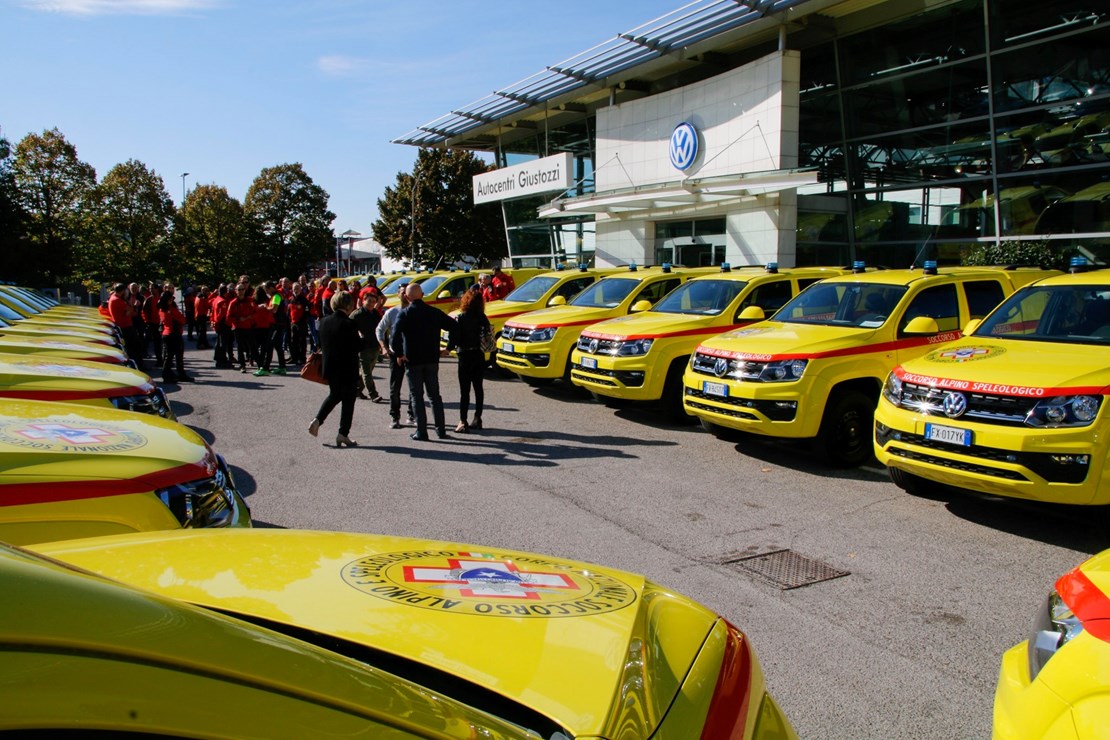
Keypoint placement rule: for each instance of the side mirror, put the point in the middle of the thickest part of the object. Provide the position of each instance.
(639, 306)
(971, 326)
(557, 301)
(752, 313)
(922, 325)
(443, 294)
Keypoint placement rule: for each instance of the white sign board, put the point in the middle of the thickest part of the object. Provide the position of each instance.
(550, 174)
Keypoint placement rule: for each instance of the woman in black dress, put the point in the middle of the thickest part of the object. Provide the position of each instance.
(467, 338)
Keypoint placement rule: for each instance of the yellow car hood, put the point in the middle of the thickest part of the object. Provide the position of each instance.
(27, 329)
(562, 316)
(596, 650)
(60, 451)
(652, 324)
(774, 340)
(34, 378)
(1009, 367)
(507, 309)
(71, 349)
(55, 321)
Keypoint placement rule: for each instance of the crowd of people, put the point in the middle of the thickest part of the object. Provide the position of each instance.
(254, 325)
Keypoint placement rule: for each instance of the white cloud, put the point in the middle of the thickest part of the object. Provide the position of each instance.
(118, 7)
(338, 65)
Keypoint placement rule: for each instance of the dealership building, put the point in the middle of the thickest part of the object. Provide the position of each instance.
(806, 132)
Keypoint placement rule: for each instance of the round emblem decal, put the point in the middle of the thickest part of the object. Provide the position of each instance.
(593, 346)
(965, 354)
(486, 584)
(54, 436)
(684, 146)
(955, 404)
(72, 371)
(720, 367)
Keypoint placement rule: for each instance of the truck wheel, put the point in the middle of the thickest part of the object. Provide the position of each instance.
(845, 436)
(576, 390)
(670, 403)
(910, 483)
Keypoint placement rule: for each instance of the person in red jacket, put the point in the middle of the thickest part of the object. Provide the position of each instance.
(264, 323)
(173, 349)
(298, 325)
(241, 311)
(222, 355)
(201, 308)
(123, 314)
(150, 318)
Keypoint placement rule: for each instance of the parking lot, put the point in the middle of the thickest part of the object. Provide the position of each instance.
(907, 644)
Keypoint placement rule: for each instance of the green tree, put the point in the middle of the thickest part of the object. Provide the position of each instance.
(291, 221)
(51, 185)
(129, 216)
(1016, 252)
(430, 213)
(13, 224)
(211, 236)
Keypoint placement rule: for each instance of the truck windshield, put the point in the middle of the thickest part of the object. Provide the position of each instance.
(1077, 314)
(701, 297)
(606, 293)
(858, 305)
(532, 290)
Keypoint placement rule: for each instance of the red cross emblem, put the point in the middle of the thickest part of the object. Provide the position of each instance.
(964, 353)
(481, 577)
(63, 433)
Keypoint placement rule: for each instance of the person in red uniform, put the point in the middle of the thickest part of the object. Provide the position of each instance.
(173, 350)
(202, 308)
(241, 311)
(150, 319)
(298, 325)
(189, 299)
(503, 283)
(123, 314)
(222, 354)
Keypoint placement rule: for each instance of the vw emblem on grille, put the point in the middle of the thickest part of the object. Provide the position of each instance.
(593, 346)
(955, 404)
(720, 367)
(684, 146)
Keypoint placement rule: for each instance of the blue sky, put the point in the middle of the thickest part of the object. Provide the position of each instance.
(222, 88)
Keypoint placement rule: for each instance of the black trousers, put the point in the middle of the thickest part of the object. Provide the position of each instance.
(472, 371)
(342, 392)
(244, 343)
(396, 379)
(173, 354)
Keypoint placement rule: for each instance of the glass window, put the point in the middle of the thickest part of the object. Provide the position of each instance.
(938, 302)
(705, 297)
(656, 290)
(1063, 71)
(606, 293)
(982, 296)
(1016, 22)
(768, 296)
(571, 288)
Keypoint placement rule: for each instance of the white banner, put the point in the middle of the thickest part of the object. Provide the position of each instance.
(550, 174)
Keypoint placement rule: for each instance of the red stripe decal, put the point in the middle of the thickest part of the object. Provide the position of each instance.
(1020, 391)
(46, 395)
(18, 494)
(517, 325)
(1087, 602)
(728, 710)
(683, 333)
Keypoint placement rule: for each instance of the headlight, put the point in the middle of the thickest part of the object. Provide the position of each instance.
(542, 335)
(1064, 411)
(153, 403)
(783, 371)
(209, 502)
(1054, 627)
(508, 332)
(634, 347)
(892, 389)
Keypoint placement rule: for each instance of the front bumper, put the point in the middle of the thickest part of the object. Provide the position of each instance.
(633, 378)
(1065, 466)
(770, 409)
(532, 359)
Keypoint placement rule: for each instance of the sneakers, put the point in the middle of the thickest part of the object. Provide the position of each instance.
(314, 427)
(261, 372)
(279, 371)
(395, 424)
(419, 437)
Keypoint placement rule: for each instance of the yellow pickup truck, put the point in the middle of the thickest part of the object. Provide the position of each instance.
(815, 369)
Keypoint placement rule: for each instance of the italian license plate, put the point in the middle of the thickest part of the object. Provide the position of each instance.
(714, 389)
(506, 347)
(589, 363)
(951, 435)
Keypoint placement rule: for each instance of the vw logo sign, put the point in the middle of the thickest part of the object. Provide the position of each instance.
(593, 346)
(684, 146)
(720, 367)
(955, 404)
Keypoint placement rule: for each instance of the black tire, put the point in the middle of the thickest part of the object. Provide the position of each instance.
(845, 438)
(670, 403)
(573, 389)
(912, 484)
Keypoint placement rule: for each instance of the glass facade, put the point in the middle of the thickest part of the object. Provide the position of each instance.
(976, 121)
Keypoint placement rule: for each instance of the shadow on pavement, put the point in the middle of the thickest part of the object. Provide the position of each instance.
(244, 481)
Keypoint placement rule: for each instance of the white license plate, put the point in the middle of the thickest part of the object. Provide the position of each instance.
(714, 389)
(506, 347)
(951, 435)
(589, 363)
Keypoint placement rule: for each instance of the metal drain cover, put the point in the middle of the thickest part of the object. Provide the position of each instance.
(786, 569)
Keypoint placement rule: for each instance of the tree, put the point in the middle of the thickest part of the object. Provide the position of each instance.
(129, 215)
(211, 236)
(290, 215)
(13, 224)
(51, 184)
(430, 214)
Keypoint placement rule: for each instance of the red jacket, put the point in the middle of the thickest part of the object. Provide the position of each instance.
(173, 321)
(240, 313)
(202, 306)
(263, 317)
(120, 310)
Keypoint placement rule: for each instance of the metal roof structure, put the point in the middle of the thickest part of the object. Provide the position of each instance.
(607, 64)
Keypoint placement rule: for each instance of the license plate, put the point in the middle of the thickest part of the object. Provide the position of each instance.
(589, 363)
(951, 435)
(714, 389)
(506, 347)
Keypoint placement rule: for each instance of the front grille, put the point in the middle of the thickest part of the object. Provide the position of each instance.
(723, 412)
(945, 462)
(591, 379)
(519, 333)
(604, 346)
(774, 411)
(982, 407)
(505, 358)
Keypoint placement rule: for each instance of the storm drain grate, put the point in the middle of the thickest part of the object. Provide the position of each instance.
(786, 569)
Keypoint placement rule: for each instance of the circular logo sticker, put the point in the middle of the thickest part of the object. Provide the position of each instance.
(486, 584)
(684, 146)
(53, 436)
(71, 371)
(965, 354)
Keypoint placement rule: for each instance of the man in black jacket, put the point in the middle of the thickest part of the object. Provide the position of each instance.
(415, 344)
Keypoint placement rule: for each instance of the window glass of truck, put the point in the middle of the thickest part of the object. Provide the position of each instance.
(982, 297)
(1071, 313)
(653, 292)
(704, 297)
(938, 302)
(532, 290)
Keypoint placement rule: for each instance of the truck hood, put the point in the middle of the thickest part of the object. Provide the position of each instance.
(653, 325)
(775, 340)
(1009, 367)
(561, 316)
(601, 652)
(48, 379)
(70, 349)
(24, 329)
(61, 451)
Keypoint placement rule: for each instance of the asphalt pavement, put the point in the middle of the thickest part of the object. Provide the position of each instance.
(906, 645)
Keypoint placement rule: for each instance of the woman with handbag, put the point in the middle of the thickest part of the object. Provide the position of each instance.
(473, 338)
(340, 344)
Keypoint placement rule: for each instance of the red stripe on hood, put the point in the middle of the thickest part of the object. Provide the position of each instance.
(1087, 602)
(17, 494)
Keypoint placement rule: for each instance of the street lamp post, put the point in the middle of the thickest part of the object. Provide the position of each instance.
(351, 235)
(412, 222)
(183, 176)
